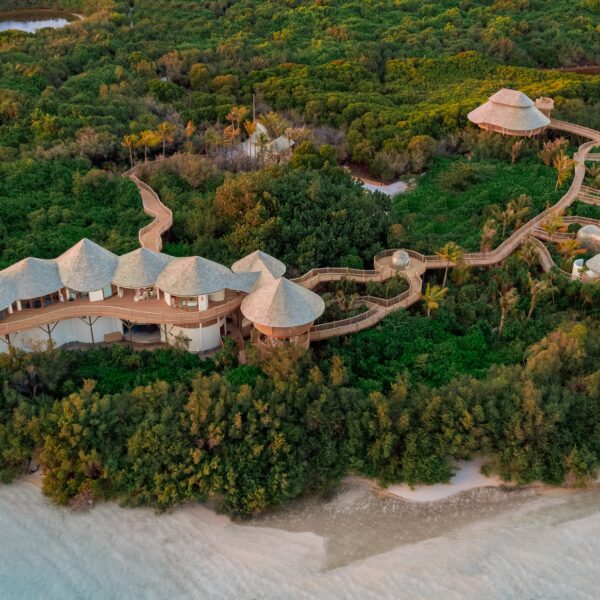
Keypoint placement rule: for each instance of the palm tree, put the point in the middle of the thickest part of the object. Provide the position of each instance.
(488, 233)
(554, 223)
(508, 301)
(432, 297)
(452, 253)
(148, 140)
(190, 130)
(250, 127)
(236, 116)
(520, 207)
(166, 132)
(262, 141)
(528, 253)
(212, 139)
(515, 151)
(537, 288)
(569, 249)
(564, 166)
(130, 142)
(503, 216)
(275, 123)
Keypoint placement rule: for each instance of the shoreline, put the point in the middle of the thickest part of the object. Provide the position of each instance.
(468, 477)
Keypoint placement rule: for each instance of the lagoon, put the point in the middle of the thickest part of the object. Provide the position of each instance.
(32, 21)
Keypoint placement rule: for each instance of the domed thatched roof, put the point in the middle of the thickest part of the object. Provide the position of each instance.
(259, 262)
(282, 303)
(194, 276)
(594, 264)
(510, 112)
(33, 278)
(86, 267)
(7, 292)
(140, 268)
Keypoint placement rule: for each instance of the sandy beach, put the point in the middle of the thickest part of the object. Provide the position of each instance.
(485, 543)
(468, 476)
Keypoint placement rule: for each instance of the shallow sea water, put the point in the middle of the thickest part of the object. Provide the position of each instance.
(482, 544)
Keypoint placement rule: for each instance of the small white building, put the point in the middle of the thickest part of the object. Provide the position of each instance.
(260, 143)
(587, 270)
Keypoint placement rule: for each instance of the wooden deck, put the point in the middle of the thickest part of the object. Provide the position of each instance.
(150, 236)
(147, 312)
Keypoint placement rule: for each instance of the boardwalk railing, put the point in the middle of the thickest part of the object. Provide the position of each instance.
(106, 308)
(150, 236)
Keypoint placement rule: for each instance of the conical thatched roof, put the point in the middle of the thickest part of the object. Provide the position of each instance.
(87, 267)
(33, 278)
(245, 282)
(140, 268)
(510, 112)
(594, 264)
(282, 303)
(194, 276)
(259, 262)
(7, 292)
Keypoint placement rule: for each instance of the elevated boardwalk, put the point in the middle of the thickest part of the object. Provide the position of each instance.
(150, 236)
(377, 309)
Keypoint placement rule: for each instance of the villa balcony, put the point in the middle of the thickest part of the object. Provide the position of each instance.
(151, 311)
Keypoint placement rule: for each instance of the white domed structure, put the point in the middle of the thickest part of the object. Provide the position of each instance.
(401, 260)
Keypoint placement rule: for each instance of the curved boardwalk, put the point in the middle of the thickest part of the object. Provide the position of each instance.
(377, 310)
(150, 237)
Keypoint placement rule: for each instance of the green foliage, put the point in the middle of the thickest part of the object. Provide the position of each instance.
(454, 199)
(47, 206)
(258, 437)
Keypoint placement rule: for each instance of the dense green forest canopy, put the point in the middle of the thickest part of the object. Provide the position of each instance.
(507, 366)
(369, 78)
(289, 426)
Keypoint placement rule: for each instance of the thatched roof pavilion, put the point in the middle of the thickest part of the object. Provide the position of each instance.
(282, 305)
(594, 264)
(259, 262)
(140, 268)
(195, 276)
(510, 112)
(33, 278)
(86, 267)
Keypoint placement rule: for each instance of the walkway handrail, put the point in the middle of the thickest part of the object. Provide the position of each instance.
(108, 309)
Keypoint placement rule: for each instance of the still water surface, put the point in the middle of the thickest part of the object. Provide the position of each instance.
(32, 21)
(484, 544)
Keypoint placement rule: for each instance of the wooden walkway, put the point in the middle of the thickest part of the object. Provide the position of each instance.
(376, 311)
(150, 237)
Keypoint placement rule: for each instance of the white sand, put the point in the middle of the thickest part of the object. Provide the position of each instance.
(467, 477)
(398, 187)
(547, 548)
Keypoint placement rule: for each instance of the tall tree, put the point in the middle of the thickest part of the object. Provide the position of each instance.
(166, 132)
(148, 140)
(452, 253)
(130, 142)
(508, 302)
(432, 297)
(564, 167)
